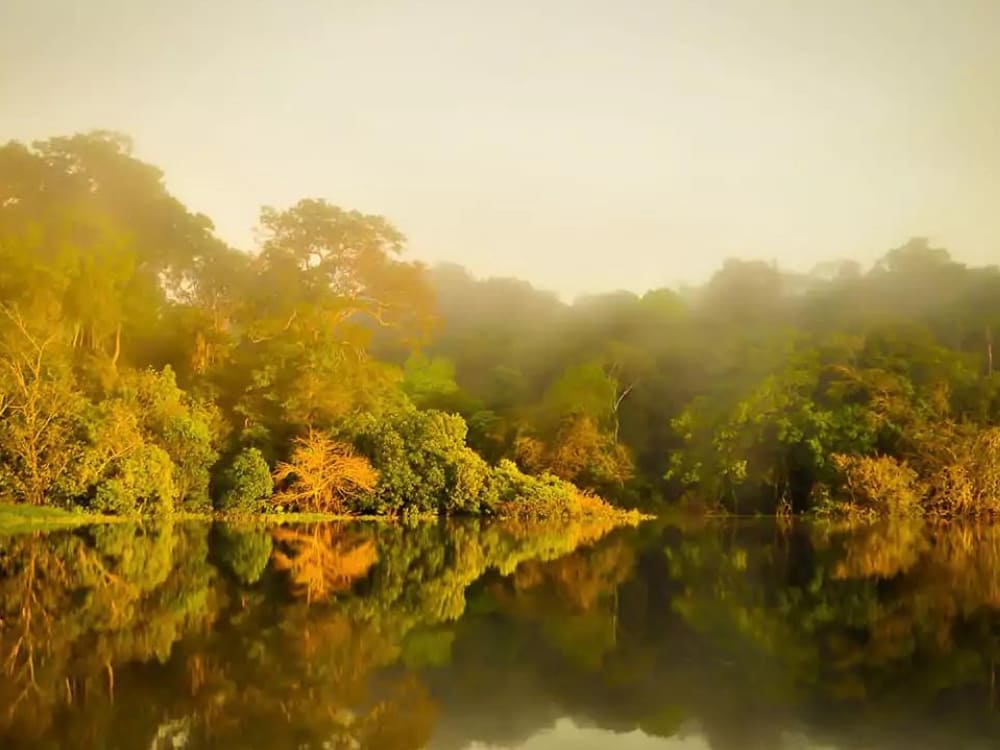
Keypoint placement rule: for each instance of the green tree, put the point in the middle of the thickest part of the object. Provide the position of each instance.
(246, 482)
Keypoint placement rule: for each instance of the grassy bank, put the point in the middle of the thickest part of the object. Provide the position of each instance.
(19, 517)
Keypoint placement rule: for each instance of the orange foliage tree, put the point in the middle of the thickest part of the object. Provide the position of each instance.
(323, 475)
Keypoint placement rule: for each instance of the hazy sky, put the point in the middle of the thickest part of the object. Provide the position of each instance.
(582, 145)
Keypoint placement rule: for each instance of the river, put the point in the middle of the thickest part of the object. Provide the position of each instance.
(729, 635)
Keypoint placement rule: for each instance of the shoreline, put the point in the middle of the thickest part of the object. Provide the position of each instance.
(23, 518)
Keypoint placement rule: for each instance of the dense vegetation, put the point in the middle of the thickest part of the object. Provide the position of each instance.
(147, 366)
(867, 392)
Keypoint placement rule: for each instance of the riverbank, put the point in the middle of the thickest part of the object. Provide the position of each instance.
(23, 518)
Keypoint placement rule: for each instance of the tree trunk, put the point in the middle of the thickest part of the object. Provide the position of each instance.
(989, 350)
(118, 346)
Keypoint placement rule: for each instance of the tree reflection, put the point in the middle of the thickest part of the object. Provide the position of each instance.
(403, 636)
(135, 627)
(74, 606)
(749, 634)
(323, 560)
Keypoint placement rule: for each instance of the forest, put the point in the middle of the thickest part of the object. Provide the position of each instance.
(148, 367)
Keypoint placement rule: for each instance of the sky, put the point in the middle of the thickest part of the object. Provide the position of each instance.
(585, 146)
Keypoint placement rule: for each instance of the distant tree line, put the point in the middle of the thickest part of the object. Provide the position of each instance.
(844, 390)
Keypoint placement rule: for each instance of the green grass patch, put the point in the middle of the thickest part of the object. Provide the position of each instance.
(20, 518)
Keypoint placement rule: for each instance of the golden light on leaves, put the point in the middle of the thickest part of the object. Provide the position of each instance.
(323, 475)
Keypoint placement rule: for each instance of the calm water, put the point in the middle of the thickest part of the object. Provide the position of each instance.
(719, 635)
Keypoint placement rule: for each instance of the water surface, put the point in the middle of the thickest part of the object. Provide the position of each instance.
(722, 635)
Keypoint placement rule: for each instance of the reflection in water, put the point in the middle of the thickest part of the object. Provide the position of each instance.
(451, 636)
(565, 734)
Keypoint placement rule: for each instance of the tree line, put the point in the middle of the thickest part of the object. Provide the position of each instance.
(844, 390)
(145, 365)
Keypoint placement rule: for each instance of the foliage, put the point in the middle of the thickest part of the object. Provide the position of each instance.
(180, 426)
(579, 452)
(326, 279)
(323, 475)
(734, 394)
(139, 445)
(423, 463)
(967, 482)
(246, 482)
(547, 496)
(133, 341)
(881, 484)
(41, 414)
(956, 475)
(143, 481)
(429, 383)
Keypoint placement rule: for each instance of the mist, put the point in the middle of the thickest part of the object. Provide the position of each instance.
(582, 146)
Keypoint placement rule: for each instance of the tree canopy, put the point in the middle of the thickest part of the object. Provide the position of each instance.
(146, 365)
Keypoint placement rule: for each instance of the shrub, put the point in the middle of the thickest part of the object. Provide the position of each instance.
(423, 462)
(146, 410)
(579, 452)
(187, 439)
(544, 496)
(882, 484)
(142, 482)
(182, 426)
(967, 478)
(323, 475)
(471, 485)
(246, 483)
(42, 440)
(519, 493)
(425, 466)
